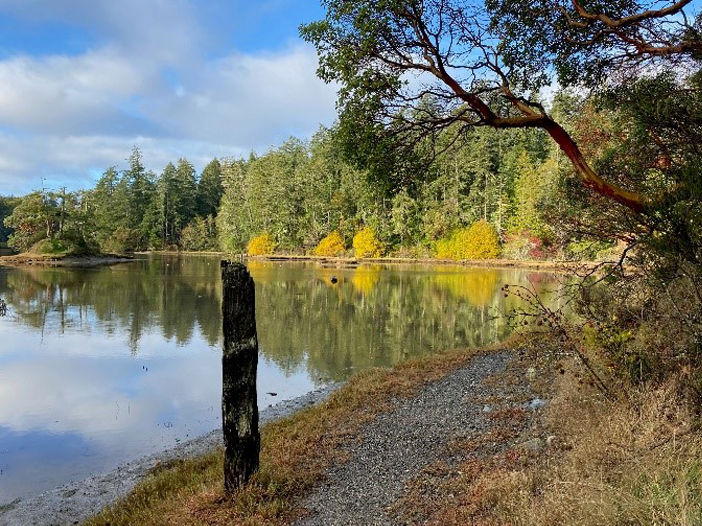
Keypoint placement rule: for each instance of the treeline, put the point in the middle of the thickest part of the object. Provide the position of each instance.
(299, 193)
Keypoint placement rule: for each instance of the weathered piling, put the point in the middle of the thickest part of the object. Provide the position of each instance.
(242, 441)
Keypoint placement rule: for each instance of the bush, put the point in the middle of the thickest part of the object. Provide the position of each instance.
(261, 245)
(332, 245)
(477, 242)
(366, 244)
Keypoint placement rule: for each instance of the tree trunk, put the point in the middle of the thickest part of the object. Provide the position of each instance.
(242, 441)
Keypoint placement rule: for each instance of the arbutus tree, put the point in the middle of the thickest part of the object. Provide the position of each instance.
(408, 70)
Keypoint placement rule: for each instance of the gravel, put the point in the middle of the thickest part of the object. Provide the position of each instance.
(74, 502)
(398, 444)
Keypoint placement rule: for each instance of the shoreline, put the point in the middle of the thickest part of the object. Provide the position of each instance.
(351, 262)
(74, 502)
(39, 260)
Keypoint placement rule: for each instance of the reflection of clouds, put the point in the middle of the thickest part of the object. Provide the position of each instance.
(108, 397)
(103, 397)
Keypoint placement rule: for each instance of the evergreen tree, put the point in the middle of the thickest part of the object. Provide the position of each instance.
(210, 189)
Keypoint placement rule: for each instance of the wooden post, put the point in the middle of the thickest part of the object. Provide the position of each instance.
(242, 441)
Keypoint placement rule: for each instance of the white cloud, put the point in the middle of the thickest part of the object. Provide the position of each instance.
(251, 100)
(79, 160)
(147, 81)
(64, 94)
(71, 116)
(164, 31)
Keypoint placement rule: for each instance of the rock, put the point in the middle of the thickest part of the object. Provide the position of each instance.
(536, 403)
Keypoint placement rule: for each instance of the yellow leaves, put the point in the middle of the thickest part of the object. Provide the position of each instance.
(261, 245)
(477, 242)
(366, 244)
(332, 245)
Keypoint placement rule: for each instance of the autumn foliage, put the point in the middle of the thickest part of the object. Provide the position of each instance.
(332, 245)
(480, 241)
(261, 245)
(366, 244)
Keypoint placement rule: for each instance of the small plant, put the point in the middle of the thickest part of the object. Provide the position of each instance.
(332, 245)
(477, 242)
(366, 244)
(261, 245)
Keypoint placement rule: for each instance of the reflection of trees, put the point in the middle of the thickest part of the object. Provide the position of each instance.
(373, 316)
(172, 294)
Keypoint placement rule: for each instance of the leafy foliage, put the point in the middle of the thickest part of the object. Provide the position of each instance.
(366, 244)
(51, 222)
(7, 205)
(480, 241)
(200, 235)
(261, 245)
(331, 245)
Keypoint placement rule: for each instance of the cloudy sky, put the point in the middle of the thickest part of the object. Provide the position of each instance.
(82, 81)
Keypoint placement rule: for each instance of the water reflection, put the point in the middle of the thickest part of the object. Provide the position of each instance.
(103, 365)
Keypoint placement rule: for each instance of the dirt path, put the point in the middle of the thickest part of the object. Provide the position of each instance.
(416, 433)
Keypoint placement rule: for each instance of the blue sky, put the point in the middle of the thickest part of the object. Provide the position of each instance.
(82, 81)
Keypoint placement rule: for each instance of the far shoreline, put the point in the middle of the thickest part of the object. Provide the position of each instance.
(351, 262)
(48, 260)
(97, 260)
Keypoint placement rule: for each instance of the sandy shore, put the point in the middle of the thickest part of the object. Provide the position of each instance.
(74, 502)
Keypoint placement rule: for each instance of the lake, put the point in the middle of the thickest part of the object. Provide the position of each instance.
(102, 366)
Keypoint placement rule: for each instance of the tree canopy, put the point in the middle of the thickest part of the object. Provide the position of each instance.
(409, 70)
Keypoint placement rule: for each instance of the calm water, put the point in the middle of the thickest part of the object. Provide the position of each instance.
(101, 366)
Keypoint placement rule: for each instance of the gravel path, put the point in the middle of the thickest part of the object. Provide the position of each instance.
(398, 444)
(74, 502)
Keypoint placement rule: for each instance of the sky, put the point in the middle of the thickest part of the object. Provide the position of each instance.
(83, 81)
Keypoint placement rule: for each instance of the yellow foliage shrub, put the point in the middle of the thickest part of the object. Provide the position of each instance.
(480, 241)
(332, 245)
(261, 245)
(366, 244)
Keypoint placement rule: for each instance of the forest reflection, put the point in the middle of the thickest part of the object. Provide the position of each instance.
(372, 316)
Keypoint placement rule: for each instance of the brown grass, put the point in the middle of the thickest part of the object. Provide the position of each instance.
(628, 462)
(295, 453)
(634, 461)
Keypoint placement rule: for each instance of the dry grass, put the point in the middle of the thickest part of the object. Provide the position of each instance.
(294, 455)
(628, 462)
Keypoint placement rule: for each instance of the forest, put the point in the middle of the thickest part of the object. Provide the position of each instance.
(304, 190)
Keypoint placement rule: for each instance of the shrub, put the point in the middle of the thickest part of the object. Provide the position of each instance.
(477, 242)
(261, 245)
(366, 244)
(332, 245)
